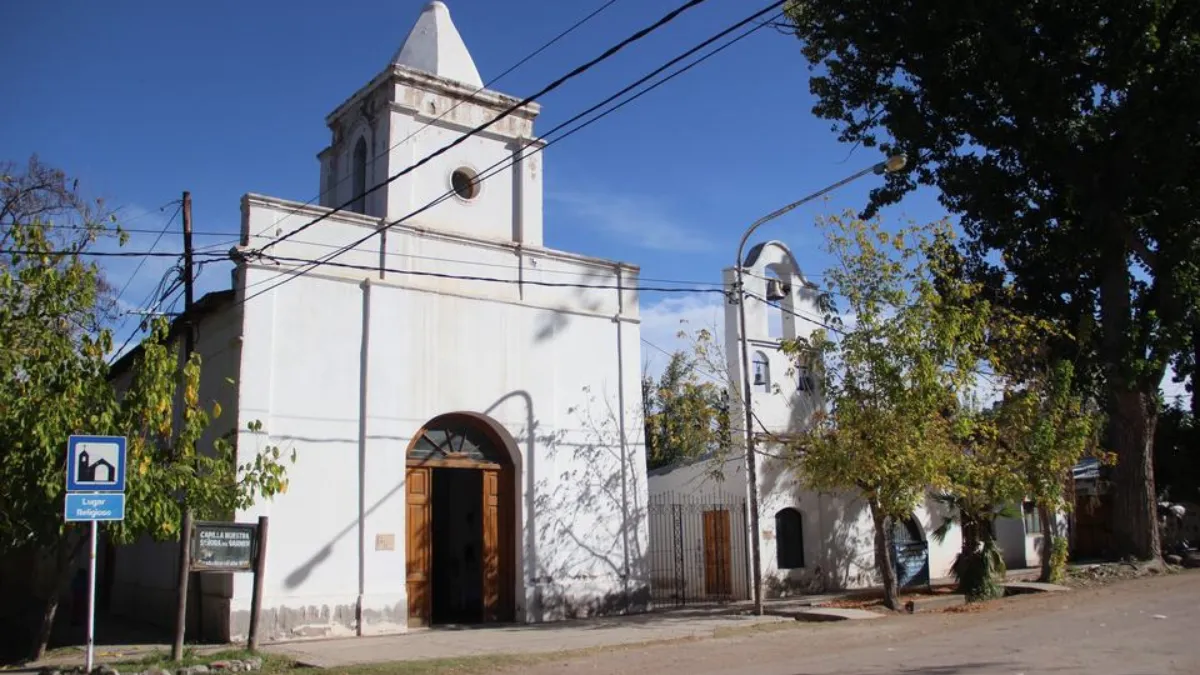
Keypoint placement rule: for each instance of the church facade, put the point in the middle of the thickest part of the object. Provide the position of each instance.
(463, 402)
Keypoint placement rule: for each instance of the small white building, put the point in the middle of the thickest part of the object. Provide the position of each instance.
(809, 541)
(464, 403)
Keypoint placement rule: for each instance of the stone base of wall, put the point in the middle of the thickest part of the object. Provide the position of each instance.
(323, 618)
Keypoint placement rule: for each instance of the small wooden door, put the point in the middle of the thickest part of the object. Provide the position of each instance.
(418, 551)
(496, 546)
(717, 550)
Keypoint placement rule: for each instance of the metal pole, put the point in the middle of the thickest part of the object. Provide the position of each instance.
(91, 618)
(747, 394)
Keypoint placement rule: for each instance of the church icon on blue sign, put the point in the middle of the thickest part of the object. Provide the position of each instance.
(96, 464)
(98, 471)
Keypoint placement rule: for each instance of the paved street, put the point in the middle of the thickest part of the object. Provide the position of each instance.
(1144, 627)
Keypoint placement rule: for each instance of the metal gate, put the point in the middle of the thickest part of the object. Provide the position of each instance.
(698, 551)
(910, 552)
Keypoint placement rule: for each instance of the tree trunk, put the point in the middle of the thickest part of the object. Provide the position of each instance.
(1132, 413)
(65, 554)
(1134, 512)
(1049, 534)
(884, 562)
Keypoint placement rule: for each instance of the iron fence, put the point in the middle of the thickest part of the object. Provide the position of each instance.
(698, 549)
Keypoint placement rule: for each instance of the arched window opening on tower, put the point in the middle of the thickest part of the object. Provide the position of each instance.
(762, 372)
(776, 291)
(789, 539)
(359, 167)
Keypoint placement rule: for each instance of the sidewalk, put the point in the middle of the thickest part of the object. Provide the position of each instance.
(440, 643)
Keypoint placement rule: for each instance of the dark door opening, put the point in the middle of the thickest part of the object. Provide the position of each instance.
(457, 540)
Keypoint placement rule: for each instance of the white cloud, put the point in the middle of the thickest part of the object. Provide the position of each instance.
(663, 320)
(641, 221)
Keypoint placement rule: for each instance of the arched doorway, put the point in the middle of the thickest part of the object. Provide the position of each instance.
(910, 553)
(460, 522)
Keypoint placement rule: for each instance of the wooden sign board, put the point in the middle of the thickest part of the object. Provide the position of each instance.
(224, 547)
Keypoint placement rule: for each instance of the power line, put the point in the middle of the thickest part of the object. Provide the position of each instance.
(161, 294)
(452, 108)
(136, 270)
(94, 254)
(498, 280)
(579, 70)
(495, 168)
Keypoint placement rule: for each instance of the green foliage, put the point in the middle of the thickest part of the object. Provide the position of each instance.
(1059, 552)
(980, 573)
(686, 414)
(892, 378)
(1048, 428)
(1177, 455)
(1064, 135)
(55, 382)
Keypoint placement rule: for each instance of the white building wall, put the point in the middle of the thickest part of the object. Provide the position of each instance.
(555, 366)
(837, 529)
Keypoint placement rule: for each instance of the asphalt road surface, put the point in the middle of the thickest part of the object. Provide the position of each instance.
(1148, 626)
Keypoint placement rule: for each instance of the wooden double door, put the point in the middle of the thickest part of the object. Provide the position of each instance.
(460, 543)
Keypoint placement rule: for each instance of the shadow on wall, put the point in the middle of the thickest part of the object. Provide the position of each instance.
(551, 324)
(845, 554)
(589, 520)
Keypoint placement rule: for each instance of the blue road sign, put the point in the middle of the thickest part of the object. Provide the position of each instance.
(83, 506)
(96, 464)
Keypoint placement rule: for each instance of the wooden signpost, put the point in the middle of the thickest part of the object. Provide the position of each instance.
(221, 547)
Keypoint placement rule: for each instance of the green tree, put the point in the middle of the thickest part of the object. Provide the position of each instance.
(686, 415)
(891, 378)
(1049, 427)
(55, 382)
(1177, 455)
(1064, 134)
(983, 479)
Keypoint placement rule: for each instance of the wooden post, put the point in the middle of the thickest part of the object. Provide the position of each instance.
(189, 336)
(185, 554)
(260, 568)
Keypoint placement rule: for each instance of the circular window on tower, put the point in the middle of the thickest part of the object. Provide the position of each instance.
(465, 183)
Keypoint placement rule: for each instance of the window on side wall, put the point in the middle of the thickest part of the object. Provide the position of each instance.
(761, 370)
(1033, 519)
(789, 539)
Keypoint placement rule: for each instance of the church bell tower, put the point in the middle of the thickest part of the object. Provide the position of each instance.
(431, 94)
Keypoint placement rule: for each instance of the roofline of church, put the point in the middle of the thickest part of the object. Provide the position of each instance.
(311, 210)
(209, 304)
(422, 80)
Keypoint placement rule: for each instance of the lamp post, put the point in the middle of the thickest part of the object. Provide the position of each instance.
(890, 165)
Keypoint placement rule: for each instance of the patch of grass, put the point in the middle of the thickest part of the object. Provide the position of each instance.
(193, 657)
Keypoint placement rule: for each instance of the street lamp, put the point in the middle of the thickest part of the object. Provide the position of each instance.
(890, 165)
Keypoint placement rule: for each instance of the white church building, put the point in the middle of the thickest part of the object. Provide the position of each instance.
(464, 403)
(810, 542)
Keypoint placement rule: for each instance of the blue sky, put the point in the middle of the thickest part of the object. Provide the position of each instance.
(142, 100)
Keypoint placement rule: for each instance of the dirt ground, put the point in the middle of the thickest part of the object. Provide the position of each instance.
(1144, 626)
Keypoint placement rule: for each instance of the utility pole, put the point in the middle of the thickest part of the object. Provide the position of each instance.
(185, 530)
(189, 339)
(890, 165)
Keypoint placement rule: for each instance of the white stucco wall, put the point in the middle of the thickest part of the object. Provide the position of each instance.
(838, 533)
(559, 368)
